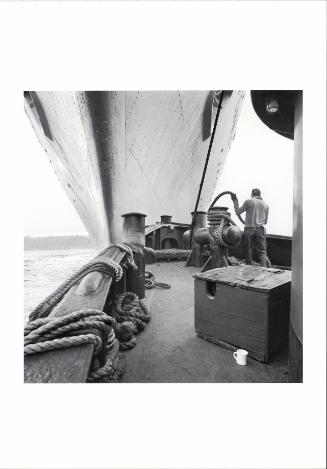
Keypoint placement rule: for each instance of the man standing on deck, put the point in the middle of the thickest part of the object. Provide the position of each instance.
(254, 231)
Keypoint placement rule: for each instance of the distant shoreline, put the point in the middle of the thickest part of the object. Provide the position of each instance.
(38, 243)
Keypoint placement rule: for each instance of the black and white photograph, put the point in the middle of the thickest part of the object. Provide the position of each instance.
(163, 233)
(177, 280)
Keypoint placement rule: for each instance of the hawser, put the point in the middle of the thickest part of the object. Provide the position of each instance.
(169, 147)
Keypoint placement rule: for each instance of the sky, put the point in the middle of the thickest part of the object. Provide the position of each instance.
(259, 158)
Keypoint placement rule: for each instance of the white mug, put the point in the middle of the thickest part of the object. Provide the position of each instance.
(241, 356)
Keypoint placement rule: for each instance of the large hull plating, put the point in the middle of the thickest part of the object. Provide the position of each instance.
(144, 151)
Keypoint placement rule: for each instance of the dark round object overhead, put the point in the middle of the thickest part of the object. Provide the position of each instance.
(276, 109)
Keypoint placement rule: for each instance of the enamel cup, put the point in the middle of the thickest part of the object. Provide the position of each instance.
(241, 356)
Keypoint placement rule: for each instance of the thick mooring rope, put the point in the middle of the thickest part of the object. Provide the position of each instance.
(44, 329)
(90, 326)
(150, 281)
(217, 221)
(234, 199)
(151, 251)
(100, 264)
(129, 258)
(87, 326)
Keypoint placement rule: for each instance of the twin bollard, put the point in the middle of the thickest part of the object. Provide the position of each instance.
(214, 241)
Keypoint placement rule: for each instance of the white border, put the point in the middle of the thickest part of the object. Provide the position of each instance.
(158, 45)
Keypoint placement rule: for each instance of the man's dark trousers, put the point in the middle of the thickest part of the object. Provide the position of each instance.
(256, 236)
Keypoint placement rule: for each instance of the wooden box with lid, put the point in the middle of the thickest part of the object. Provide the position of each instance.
(244, 307)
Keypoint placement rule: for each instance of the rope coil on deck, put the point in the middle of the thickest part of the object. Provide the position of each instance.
(150, 281)
(132, 316)
(149, 278)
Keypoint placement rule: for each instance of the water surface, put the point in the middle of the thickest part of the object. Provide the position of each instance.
(45, 270)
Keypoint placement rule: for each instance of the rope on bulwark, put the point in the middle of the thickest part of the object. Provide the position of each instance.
(63, 342)
(100, 264)
(129, 258)
(88, 326)
(132, 316)
(150, 251)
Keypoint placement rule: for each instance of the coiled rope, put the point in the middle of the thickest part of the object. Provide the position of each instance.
(91, 326)
(150, 281)
(217, 221)
(149, 278)
(88, 326)
(132, 316)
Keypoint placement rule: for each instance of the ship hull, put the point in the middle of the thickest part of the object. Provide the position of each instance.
(125, 151)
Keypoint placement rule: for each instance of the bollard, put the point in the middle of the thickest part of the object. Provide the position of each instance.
(199, 234)
(200, 220)
(199, 223)
(165, 219)
(134, 234)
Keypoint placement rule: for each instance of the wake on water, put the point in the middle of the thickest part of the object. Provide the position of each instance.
(45, 270)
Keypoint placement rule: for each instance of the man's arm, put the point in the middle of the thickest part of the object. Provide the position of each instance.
(239, 210)
(267, 212)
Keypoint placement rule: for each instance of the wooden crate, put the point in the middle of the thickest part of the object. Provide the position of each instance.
(244, 307)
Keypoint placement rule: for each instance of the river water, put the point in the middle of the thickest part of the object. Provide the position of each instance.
(45, 270)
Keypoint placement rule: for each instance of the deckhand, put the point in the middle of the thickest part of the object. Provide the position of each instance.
(254, 231)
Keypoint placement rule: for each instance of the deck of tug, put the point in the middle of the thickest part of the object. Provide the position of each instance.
(169, 351)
